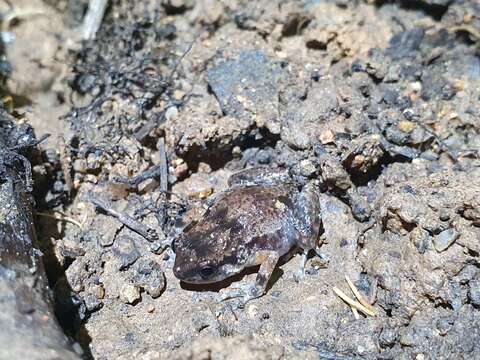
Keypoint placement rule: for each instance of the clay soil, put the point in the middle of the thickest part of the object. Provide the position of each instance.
(379, 101)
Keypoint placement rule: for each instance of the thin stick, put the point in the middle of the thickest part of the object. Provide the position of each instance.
(163, 165)
(93, 19)
(358, 295)
(147, 232)
(353, 303)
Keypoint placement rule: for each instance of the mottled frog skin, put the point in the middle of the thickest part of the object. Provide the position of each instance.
(259, 219)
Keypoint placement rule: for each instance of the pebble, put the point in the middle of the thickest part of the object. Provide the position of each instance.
(92, 303)
(149, 276)
(171, 113)
(109, 229)
(130, 293)
(420, 238)
(474, 292)
(98, 291)
(125, 251)
(252, 311)
(71, 249)
(446, 238)
(327, 137)
(388, 337)
(466, 274)
(148, 185)
(307, 168)
(406, 126)
(80, 166)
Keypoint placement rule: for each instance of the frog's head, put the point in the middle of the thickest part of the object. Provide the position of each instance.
(203, 257)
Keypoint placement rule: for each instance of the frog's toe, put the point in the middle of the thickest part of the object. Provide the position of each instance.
(245, 292)
(229, 294)
(322, 255)
(299, 275)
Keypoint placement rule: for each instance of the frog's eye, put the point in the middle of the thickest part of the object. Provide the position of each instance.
(207, 271)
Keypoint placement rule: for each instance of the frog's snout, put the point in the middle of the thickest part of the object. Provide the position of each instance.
(177, 271)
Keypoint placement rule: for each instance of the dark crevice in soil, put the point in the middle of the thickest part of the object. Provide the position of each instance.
(436, 11)
(217, 155)
(362, 179)
(68, 309)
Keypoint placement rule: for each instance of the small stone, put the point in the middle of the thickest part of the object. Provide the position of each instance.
(51, 156)
(406, 126)
(98, 291)
(237, 151)
(388, 337)
(446, 238)
(307, 168)
(171, 113)
(148, 185)
(181, 170)
(474, 292)
(466, 274)
(92, 303)
(420, 238)
(150, 308)
(130, 294)
(444, 215)
(358, 161)
(327, 137)
(203, 167)
(149, 276)
(80, 165)
(107, 228)
(178, 94)
(252, 311)
(71, 249)
(125, 251)
(416, 86)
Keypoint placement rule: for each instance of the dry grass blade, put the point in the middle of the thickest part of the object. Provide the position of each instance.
(93, 18)
(358, 295)
(353, 303)
(355, 313)
(61, 217)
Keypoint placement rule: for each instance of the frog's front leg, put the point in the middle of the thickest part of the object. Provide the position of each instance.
(308, 223)
(268, 261)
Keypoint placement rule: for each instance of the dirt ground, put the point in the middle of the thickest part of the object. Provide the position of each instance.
(378, 101)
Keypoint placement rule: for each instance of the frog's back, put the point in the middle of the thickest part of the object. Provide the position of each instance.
(257, 217)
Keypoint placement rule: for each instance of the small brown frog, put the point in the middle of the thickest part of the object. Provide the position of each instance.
(260, 218)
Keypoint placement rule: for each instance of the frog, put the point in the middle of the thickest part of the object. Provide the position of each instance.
(259, 219)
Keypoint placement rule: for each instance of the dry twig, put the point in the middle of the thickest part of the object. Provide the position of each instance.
(147, 232)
